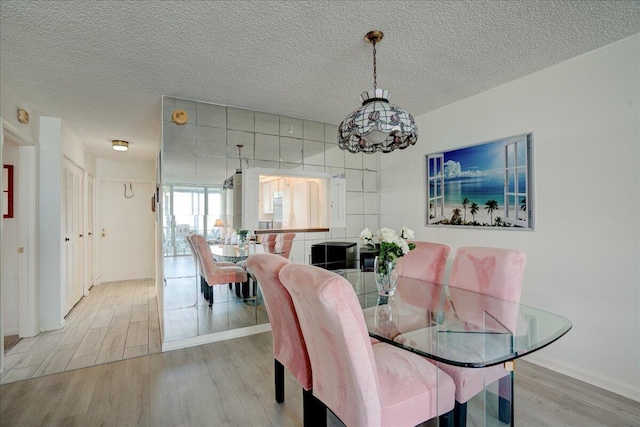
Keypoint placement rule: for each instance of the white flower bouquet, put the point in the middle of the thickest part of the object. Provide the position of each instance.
(391, 245)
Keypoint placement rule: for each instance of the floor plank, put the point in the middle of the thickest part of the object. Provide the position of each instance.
(230, 383)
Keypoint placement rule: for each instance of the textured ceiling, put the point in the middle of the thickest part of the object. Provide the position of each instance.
(103, 66)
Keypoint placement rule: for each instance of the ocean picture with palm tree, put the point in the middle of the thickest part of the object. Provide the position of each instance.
(480, 183)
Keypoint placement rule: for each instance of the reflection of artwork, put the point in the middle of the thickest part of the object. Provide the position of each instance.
(484, 185)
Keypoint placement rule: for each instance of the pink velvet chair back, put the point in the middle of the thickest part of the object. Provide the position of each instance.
(426, 262)
(289, 347)
(342, 361)
(194, 250)
(490, 271)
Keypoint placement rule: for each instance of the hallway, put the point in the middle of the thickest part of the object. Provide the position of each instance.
(118, 320)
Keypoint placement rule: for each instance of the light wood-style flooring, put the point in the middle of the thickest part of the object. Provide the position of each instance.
(116, 321)
(230, 383)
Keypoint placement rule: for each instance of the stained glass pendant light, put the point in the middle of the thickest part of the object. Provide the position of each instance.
(377, 125)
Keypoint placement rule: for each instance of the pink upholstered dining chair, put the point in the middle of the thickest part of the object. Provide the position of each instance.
(215, 273)
(497, 273)
(363, 384)
(289, 349)
(425, 262)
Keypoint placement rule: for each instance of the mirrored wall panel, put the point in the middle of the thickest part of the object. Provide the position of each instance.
(200, 160)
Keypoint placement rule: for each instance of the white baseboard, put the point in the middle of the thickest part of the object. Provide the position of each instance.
(10, 332)
(218, 336)
(589, 377)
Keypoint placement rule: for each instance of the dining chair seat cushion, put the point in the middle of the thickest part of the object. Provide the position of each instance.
(407, 387)
(470, 380)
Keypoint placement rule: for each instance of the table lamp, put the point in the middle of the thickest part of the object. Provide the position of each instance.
(217, 226)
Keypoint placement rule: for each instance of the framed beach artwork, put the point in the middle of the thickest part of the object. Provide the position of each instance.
(483, 185)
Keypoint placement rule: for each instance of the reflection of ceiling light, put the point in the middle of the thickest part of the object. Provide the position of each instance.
(120, 145)
(377, 125)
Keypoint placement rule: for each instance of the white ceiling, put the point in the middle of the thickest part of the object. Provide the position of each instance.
(103, 66)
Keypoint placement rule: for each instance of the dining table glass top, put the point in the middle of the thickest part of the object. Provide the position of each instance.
(455, 326)
(234, 253)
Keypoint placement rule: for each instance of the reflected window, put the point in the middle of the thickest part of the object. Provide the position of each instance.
(189, 209)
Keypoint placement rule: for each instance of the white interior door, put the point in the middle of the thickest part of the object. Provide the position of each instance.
(73, 217)
(125, 231)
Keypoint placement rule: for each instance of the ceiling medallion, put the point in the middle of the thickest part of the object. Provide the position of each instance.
(377, 125)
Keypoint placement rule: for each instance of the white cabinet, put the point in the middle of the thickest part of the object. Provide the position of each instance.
(338, 202)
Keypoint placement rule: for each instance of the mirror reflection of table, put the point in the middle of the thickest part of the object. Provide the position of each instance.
(466, 329)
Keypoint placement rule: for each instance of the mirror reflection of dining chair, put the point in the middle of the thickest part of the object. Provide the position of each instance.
(284, 243)
(497, 273)
(362, 384)
(270, 243)
(215, 273)
(289, 349)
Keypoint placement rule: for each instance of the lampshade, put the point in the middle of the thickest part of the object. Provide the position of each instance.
(218, 223)
(377, 125)
(120, 145)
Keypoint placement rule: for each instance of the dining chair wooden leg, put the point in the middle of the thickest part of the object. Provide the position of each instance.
(314, 412)
(460, 414)
(279, 380)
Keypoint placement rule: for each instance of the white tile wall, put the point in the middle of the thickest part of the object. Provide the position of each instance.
(290, 150)
(267, 123)
(178, 167)
(210, 170)
(290, 127)
(313, 130)
(239, 119)
(179, 139)
(211, 141)
(313, 152)
(211, 115)
(267, 147)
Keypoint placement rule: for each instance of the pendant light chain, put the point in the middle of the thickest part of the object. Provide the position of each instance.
(375, 70)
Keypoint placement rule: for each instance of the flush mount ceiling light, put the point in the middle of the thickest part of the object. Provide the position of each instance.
(120, 145)
(377, 125)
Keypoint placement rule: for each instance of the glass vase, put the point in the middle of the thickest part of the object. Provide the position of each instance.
(386, 276)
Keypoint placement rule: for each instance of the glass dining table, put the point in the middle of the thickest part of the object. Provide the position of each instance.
(233, 253)
(461, 328)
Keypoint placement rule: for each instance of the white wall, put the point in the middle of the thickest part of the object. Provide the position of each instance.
(50, 223)
(582, 259)
(75, 150)
(127, 171)
(9, 275)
